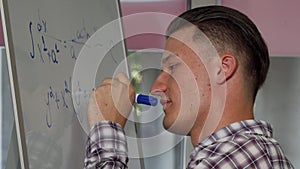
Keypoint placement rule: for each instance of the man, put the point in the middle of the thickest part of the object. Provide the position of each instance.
(215, 61)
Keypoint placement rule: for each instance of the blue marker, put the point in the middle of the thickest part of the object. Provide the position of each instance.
(145, 99)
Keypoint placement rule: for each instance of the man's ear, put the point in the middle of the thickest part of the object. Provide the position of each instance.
(227, 68)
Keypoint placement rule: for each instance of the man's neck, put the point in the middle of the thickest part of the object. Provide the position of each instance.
(232, 113)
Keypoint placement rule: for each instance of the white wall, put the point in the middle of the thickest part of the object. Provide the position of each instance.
(278, 102)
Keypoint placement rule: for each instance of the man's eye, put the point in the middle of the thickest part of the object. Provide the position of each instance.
(172, 67)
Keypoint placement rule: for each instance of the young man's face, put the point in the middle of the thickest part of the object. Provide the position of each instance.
(184, 84)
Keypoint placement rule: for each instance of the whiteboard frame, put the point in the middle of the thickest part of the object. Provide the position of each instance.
(11, 63)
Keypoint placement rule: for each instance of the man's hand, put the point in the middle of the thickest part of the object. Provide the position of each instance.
(112, 101)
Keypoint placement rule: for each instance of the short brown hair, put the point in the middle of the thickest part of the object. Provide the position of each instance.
(230, 31)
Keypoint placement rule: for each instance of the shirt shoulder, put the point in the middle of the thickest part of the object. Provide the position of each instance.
(245, 149)
(234, 152)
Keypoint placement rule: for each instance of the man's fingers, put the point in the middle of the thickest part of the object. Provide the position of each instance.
(111, 101)
(110, 82)
(122, 77)
(106, 81)
(119, 78)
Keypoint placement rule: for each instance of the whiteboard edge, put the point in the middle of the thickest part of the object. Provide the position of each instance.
(139, 144)
(15, 96)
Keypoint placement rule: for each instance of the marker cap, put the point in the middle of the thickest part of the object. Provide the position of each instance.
(146, 99)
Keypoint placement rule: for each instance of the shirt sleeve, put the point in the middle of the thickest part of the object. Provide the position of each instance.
(106, 147)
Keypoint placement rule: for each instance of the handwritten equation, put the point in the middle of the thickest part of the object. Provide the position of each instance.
(48, 48)
(60, 98)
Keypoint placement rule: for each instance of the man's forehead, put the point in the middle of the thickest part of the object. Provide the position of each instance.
(194, 39)
(182, 38)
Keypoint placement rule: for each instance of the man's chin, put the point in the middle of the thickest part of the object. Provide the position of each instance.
(177, 129)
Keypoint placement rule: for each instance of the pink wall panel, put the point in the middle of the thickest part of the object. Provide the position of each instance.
(278, 21)
(149, 40)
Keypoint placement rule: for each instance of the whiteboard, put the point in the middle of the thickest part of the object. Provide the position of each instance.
(44, 41)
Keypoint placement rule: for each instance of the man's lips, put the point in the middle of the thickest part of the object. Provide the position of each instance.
(164, 101)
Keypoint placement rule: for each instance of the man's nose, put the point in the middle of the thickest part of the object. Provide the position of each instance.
(160, 84)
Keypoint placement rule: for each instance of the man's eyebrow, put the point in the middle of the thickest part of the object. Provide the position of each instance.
(167, 58)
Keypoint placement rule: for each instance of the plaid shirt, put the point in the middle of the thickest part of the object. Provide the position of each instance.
(246, 144)
(106, 147)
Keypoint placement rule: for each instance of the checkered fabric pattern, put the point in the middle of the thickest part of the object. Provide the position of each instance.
(246, 144)
(106, 147)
